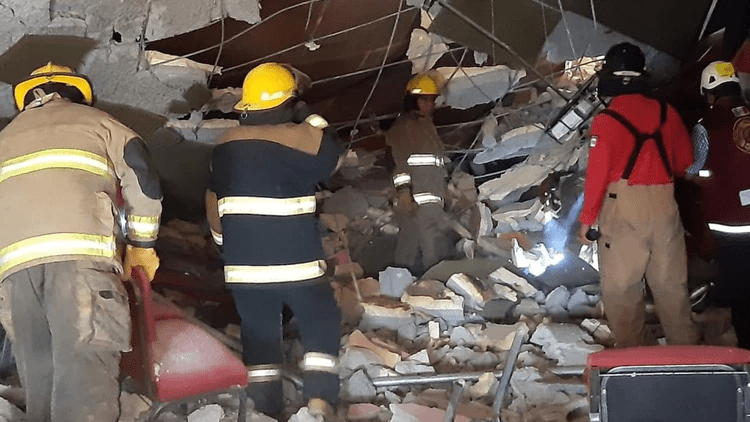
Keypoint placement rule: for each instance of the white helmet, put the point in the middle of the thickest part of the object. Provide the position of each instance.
(716, 74)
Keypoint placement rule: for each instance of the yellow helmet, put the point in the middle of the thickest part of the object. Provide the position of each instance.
(52, 73)
(423, 84)
(266, 86)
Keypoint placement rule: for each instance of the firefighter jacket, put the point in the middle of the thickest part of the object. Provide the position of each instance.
(264, 178)
(726, 192)
(61, 166)
(663, 150)
(418, 153)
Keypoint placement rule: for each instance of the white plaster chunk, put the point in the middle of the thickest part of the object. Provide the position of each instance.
(471, 86)
(205, 131)
(424, 50)
(393, 281)
(434, 329)
(460, 336)
(421, 357)
(488, 132)
(485, 220)
(358, 387)
(485, 386)
(412, 412)
(505, 276)
(377, 371)
(208, 413)
(566, 343)
(517, 210)
(450, 309)
(172, 61)
(519, 176)
(515, 143)
(376, 316)
(467, 288)
(480, 57)
(303, 415)
(537, 260)
(410, 367)
(504, 292)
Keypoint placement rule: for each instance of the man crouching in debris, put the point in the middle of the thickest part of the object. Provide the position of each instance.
(420, 178)
(638, 145)
(64, 305)
(261, 207)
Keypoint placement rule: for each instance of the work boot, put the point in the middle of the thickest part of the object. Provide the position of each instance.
(319, 407)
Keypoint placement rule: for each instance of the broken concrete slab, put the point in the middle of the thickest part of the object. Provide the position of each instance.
(505, 276)
(425, 49)
(385, 315)
(515, 143)
(529, 307)
(357, 339)
(412, 412)
(347, 201)
(460, 336)
(358, 388)
(518, 177)
(450, 309)
(474, 295)
(207, 413)
(556, 301)
(394, 281)
(477, 85)
(566, 343)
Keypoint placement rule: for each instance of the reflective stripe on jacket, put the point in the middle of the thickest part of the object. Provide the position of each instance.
(59, 169)
(264, 179)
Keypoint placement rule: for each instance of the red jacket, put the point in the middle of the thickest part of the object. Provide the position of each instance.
(611, 146)
(730, 166)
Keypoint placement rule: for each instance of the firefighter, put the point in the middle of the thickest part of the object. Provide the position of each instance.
(64, 305)
(722, 145)
(638, 145)
(261, 208)
(420, 180)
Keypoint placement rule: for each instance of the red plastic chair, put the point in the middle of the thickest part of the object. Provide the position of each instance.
(174, 361)
(669, 383)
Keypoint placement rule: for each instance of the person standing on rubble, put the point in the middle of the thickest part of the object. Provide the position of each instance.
(420, 180)
(722, 147)
(261, 207)
(637, 146)
(64, 305)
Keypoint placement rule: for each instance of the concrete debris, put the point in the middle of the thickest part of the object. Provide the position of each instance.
(505, 276)
(208, 413)
(556, 301)
(498, 337)
(529, 307)
(470, 86)
(450, 309)
(599, 330)
(412, 412)
(474, 296)
(363, 412)
(460, 336)
(410, 367)
(203, 131)
(529, 384)
(515, 143)
(390, 316)
(566, 343)
(537, 260)
(485, 387)
(359, 340)
(394, 281)
(425, 49)
(131, 406)
(303, 415)
(358, 388)
(347, 201)
(518, 177)
(505, 292)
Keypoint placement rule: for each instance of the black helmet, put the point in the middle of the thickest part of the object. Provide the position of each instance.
(623, 71)
(624, 59)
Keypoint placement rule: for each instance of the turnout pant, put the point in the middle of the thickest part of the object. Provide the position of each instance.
(319, 320)
(68, 321)
(424, 238)
(642, 236)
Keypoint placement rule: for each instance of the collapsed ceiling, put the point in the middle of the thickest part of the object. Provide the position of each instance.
(172, 71)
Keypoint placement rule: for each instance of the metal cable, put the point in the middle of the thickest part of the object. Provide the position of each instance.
(221, 45)
(567, 28)
(239, 34)
(380, 71)
(343, 31)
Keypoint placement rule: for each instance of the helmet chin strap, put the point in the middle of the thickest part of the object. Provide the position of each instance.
(41, 98)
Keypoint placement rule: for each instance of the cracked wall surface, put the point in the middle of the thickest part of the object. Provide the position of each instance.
(120, 28)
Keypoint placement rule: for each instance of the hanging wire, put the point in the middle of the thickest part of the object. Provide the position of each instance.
(492, 13)
(221, 44)
(343, 31)
(391, 64)
(567, 28)
(309, 16)
(239, 34)
(380, 71)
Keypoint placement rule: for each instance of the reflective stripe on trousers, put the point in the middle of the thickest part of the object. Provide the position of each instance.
(266, 206)
(263, 274)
